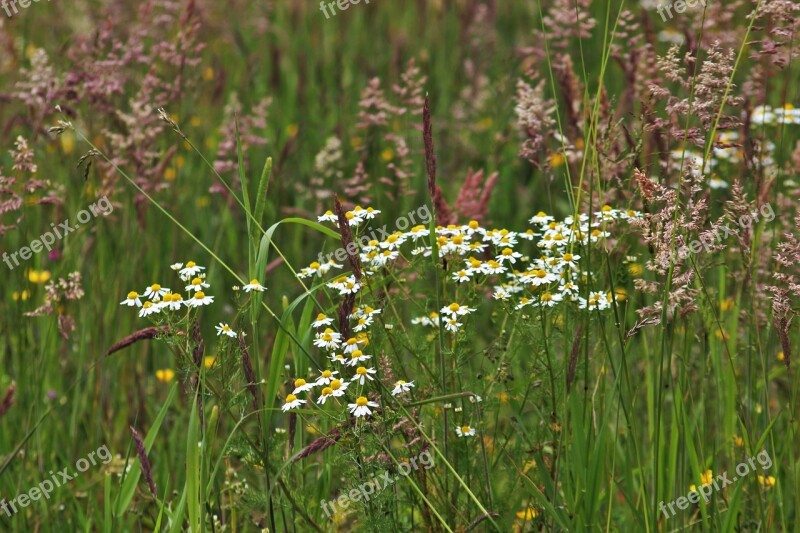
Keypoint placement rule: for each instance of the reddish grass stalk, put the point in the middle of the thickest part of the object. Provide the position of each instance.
(144, 462)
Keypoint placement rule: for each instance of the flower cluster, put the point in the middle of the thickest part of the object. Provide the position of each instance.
(349, 357)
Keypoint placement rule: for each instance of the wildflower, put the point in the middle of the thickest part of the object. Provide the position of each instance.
(155, 292)
(200, 299)
(300, 385)
(452, 325)
(291, 402)
(329, 216)
(132, 299)
(363, 374)
(351, 345)
(176, 266)
(363, 323)
(328, 339)
(172, 302)
(325, 377)
(507, 254)
(401, 387)
(224, 329)
(149, 308)
(357, 356)
(596, 301)
(197, 284)
(549, 300)
(523, 302)
(766, 481)
(455, 309)
(465, 431)
(35, 276)
(528, 514)
(361, 407)
(208, 361)
(165, 375)
(345, 285)
(569, 260)
(322, 320)
(254, 285)
(327, 392)
(191, 269)
(431, 320)
(493, 267)
(338, 386)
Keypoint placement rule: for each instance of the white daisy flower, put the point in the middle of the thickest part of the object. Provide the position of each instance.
(361, 407)
(155, 292)
(465, 431)
(328, 339)
(300, 385)
(338, 358)
(325, 377)
(507, 254)
(345, 285)
(597, 301)
(370, 213)
(452, 325)
(225, 329)
(322, 320)
(200, 299)
(327, 392)
(329, 216)
(363, 374)
(358, 356)
(254, 285)
(149, 308)
(418, 232)
(197, 285)
(570, 260)
(541, 218)
(338, 387)
(549, 300)
(493, 267)
(191, 269)
(292, 401)
(456, 310)
(401, 387)
(176, 266)
(132, 300)
(350, 345)
(173, 302)
(461, 276)
(363, 324)
(523, 302)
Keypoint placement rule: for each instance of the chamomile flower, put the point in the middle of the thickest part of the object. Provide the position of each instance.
(401, 387)
(155, 292)
(361, 407)
(254, 285)
(176, 266)
(350, 345)
(132, 300)
(363, 374)
(465, 431)
(326, 393)
(328, 339)
(345, 285)
(370, 213)
(171, 301)
(148, 309)
(539, 277)
(363, 324)
(549, 300)
(322, 320)
(329, 216)
(418, 232)
(200, 299)
(541, 218)
(509, 255)
(452, 325)
(569, 260)
(455, 309)
(292, 401)
(225, 329)
(493, 267)
(597, 301)
(191, 269)
(338, 387)
(301, 385)
(432, 320)
(462, 276)
(325, 377)
(523, 302)
(197, 284)
(358, 356)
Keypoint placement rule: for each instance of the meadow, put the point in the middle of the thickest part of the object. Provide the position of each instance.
(418, 265)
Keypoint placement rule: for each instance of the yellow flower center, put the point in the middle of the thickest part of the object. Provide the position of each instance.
(191, 264)
(541, 274)
(361, 401)
(314, 265)
(465, 429)
(606, 208)
(326, 373)
(327, 337)
(361, 371)
(155, 287)
(327, 391)
(132, 295)
(336, 384)
(507, 251)
(457, 239)
(321, 316)
(226, 328)
(541, 214)
(200, 295)
(254, 282)
(473, 224)
(148, 305)
(299, 382)
(351, 341)
(547, 297)
(567, 257)
(454, 307)
(290, 398)
(356, 354)
(349, 215)
(400, 382)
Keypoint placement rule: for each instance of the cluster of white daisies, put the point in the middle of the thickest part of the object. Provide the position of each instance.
(479, 254)
(349, 356)
(160, 298)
